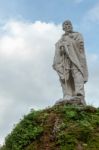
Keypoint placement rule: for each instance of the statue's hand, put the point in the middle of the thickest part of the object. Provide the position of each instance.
(62, 50)
(63, 81)
(85, 82)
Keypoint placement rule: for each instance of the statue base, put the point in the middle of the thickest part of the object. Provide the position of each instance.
(72, 101)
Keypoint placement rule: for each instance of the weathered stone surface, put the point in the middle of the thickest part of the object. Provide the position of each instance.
(75, 101)
(70, 63)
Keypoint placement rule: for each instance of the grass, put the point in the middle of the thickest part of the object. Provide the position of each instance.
(63, 127)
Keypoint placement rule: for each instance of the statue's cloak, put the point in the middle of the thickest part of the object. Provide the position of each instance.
(74, 52)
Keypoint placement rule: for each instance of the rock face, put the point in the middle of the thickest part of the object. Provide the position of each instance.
(61, 127)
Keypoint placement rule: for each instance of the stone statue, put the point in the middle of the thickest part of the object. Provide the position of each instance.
(70, 63)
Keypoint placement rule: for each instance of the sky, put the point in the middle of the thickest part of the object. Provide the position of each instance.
(29, 30)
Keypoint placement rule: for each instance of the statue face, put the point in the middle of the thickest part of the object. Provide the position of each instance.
(67, 26)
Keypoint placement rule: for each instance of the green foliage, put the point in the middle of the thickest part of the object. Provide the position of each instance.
(24, 132)
(79, 125)
(66, 140)
(74, 127)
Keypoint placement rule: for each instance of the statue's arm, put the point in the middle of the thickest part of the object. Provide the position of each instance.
(80, 42)
(57, 63)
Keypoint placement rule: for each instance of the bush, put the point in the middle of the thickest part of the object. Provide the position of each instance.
(24, 132)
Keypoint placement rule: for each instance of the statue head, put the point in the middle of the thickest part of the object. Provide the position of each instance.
(67, 26)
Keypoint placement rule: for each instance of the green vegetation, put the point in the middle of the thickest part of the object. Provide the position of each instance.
(63, 127)
(27, 130)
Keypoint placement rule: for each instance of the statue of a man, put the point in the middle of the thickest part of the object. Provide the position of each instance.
(70, 63)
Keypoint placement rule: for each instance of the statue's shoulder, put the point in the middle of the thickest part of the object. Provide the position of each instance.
(78, 35)
(59, 41)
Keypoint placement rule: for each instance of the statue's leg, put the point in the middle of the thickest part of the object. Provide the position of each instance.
(79, 83)
(67, 90)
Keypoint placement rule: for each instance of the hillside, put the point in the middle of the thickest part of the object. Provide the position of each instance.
(61, 127)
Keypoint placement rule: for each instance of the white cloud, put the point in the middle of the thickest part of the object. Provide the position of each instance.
(22, 39)
(26, 74)
(27, 79)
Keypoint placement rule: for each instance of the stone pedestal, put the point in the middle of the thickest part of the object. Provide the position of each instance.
(74, 101)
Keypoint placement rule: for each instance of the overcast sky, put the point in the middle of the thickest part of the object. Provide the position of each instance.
(29, 30)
